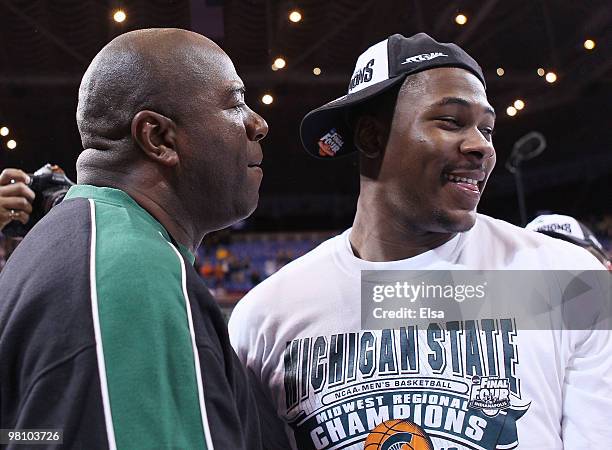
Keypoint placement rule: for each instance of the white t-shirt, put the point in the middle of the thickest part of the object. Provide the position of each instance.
(331, 382)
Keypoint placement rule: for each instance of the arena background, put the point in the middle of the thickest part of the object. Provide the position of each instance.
(45, 46)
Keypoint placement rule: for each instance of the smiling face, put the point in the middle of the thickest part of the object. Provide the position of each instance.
(218, 140)
(439, 153)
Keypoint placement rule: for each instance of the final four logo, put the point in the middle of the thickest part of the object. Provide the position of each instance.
(330, 144)
(490, 394)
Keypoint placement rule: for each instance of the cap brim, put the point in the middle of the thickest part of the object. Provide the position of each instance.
(332, 116)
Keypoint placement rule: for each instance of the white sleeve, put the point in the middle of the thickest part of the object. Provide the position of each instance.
(244, 332)
(587, 392)
(241, 331)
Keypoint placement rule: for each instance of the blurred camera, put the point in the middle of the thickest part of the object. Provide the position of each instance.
(50, 184)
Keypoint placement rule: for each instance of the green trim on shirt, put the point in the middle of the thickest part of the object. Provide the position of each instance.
(120, 198)
(148, 353)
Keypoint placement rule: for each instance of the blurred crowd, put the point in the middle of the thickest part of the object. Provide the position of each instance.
(231, 265)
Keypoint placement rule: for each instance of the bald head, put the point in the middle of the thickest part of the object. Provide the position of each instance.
(162, 117)
(140, 70)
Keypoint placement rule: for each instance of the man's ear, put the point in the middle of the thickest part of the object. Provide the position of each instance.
(370, 136)
(155, 134)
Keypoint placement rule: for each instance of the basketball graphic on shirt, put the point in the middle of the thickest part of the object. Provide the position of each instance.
(398, 435)
(325, 149)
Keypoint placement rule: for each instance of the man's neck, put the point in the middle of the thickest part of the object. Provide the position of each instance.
(144, 183)
(170, 218)
(378, 235)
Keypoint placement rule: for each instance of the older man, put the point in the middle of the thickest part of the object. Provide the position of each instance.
(106, 331)
(418, 113)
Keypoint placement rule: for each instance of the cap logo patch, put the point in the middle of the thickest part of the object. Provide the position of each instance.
(423, 57)
(556, 226)
(330, 144)
(362, 75)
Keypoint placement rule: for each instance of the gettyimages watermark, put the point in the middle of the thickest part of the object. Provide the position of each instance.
(535, 300)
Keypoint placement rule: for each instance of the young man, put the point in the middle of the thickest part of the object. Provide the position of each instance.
(107, 332)
(417, 112)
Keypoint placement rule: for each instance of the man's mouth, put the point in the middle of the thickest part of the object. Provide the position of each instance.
(462, 179)
(472, 180)
(255, 162)
(255, 167)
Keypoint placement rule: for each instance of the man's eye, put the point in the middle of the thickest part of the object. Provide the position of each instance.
(487, 132)
(450, 121)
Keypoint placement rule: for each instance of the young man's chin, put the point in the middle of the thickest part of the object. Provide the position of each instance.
(457, 221)
(467, 222)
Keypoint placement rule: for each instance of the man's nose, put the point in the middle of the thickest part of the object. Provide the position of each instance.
(477, 145)
(257, 127)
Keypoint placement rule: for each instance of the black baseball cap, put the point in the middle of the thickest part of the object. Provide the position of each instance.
(325, 131)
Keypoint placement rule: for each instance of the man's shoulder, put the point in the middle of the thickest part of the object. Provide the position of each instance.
(294, 280)
(45, 283)
(57, 256)
(498, 237)
(54, 249)
(299, 271)
(503, 231)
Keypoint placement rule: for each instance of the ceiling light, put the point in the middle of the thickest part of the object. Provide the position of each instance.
(589, 44)
(295, 16)
(267, 99)
(511, 111)
(279, 63)
(316, 71)
(461, 19)
(500, 71)
(551, 77)
(519, 104)
(11, 144)
(4, 131)
(119, 16)
(541, 72)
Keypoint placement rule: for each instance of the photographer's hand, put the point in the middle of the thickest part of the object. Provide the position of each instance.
(15, 197)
